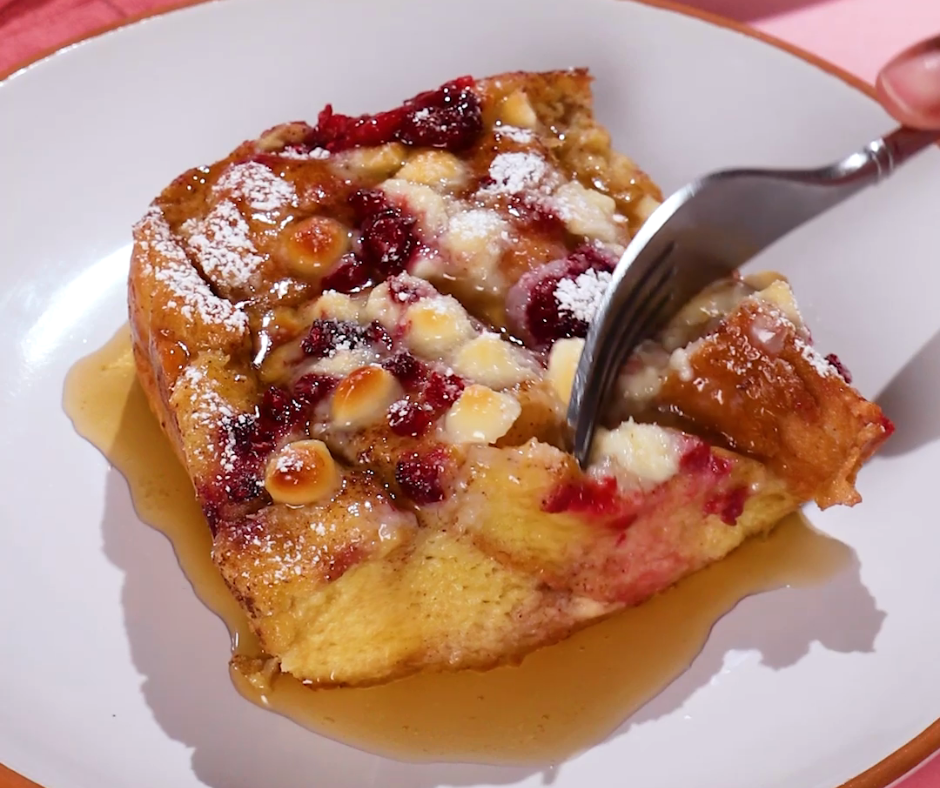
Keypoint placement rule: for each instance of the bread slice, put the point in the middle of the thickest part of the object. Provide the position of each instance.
(360, 337)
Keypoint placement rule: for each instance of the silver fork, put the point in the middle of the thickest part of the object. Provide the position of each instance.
(704, 232)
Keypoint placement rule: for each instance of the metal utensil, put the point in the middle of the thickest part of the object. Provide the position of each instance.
(700, 234)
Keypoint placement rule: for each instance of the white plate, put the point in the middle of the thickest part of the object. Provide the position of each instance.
(113, 674)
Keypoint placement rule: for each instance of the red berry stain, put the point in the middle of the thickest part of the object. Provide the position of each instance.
(420, 476)
(836, 363)
(533, 214)
(728, 506)
(410, 418)
(211, 503)
(349, 275)
(596, 497)
(442, 391)
(533, 303)
(408, 291)
(312, 389)
(325, 336)
(588, 256)
(431, 398)
(387, 242)
(545, 320)
(342, 560)
(252, 437)
(887, 425)
(366, 203)
(255, 436)
(450, 117)
(699, 459)
(411, 373)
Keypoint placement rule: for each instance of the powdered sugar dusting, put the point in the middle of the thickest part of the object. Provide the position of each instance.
(515, 134)
(286, 556)
(191, 296)
(281, 289)
(289, 462)
(223, 246)
(582, 296)
(301, 154)
(279, 555)
(257, 186)
(208, 410)
(815, 358)
(477, 223)
(400, 408)
(515, 173)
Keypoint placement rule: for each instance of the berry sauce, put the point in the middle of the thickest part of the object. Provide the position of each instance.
(420, 476)
(450, 118)
(387, 242)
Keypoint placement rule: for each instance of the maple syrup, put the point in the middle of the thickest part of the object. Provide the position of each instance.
(560, 700)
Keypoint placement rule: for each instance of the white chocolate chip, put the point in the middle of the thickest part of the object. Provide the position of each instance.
(680, 362)
(363, 397)
(301, 473)
(586, 212)
(562, 364)
(332, 305)
(644, 450)
(517, 111)
(645, 207)
(343, 362)
(780, 295)
(311, 246)
(481, 415)
(642, 384)
(381, 161)
(425, 203)
(476, 238)
(434, 168)
(380, 307)
(436, 326)
(490, 360)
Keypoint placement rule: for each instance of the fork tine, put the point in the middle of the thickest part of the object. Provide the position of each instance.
(642, 323)
(650, 282)
(610, 334)
(646, 316)
(632, 330)
(635, 316)
(584, 429)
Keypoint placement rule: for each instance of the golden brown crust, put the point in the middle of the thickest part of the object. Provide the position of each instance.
(760, 388)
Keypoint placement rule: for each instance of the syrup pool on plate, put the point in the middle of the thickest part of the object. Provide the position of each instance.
(559, 701)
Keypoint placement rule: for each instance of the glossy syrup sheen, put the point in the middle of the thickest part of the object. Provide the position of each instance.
(560, 700)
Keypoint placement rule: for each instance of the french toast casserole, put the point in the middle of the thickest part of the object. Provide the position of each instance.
(360, 338)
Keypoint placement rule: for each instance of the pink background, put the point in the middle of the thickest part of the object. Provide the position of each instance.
(858, 35)
(855, 34)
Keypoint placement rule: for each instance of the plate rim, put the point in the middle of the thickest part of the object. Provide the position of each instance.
(907, 758)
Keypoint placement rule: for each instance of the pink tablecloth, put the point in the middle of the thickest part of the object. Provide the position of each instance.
(858, 35)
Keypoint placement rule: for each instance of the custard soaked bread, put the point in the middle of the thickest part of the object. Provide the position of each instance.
(360, 338)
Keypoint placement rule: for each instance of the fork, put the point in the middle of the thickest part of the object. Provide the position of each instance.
(704, 232)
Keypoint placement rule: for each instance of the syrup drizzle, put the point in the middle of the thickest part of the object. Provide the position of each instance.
(559, 701)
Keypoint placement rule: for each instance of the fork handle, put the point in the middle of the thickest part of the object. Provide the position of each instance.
(880, 158)
(827, 186)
